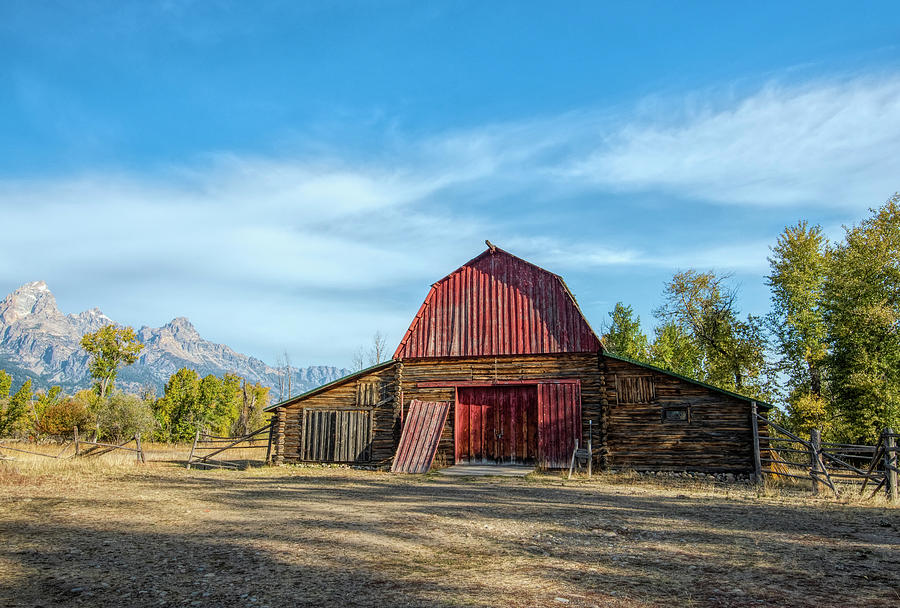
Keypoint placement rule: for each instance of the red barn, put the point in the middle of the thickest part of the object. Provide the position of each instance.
(503, 343)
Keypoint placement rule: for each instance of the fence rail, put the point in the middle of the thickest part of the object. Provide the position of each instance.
(206, 446)
(781, 453)
(94, 448)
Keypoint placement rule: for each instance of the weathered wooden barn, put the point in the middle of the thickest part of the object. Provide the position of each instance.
(504, 343)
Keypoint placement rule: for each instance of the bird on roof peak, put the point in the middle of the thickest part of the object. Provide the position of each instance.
(490, 245)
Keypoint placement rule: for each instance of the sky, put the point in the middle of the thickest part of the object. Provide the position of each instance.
(294, 176)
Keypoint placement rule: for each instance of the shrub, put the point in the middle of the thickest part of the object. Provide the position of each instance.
(59, 419)
(121, 416)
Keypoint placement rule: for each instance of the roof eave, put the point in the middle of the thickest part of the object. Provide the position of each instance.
(332, 384)
(759, 403)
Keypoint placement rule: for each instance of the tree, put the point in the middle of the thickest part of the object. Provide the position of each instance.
(285, 376)
(862, 314)
(675, 350)
(255, 398)
(799, 268)
(624, 336)
(732, 350)
(178, 410)
(110, 348)
(375, 354)
(12, 409)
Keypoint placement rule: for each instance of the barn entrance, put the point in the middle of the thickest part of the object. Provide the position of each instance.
(496, 424)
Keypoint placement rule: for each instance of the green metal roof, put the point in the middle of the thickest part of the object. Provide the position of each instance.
(331, 384)
(759, 403)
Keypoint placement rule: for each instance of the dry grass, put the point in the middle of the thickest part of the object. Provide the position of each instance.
(111, 533)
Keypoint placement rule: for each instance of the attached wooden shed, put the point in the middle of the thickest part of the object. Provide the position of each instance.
(504, 343)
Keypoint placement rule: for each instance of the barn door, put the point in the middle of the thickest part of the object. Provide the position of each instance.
(559, 422)
(496, 424)
(336, 435)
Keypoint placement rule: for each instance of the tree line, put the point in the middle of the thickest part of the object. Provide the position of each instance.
(828, 351)
(230, 405)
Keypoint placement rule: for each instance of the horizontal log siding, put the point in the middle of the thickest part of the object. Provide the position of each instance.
(345, 396)
(718, 438)
(581, 366)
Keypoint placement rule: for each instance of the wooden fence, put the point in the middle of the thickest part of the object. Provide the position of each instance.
(94, 448)
(206, 446)
(837, 466)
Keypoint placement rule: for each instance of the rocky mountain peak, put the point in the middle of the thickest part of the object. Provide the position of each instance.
(182, 329)
(30, 300)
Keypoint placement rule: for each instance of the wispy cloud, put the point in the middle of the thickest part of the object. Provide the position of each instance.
(831, 143)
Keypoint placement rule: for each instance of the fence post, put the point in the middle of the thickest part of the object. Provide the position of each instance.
(77, 449)
(590, 448)
(271, 437)
(754, 426)
(140, 449)
(815, 446)
(890, 463)
(191, 457)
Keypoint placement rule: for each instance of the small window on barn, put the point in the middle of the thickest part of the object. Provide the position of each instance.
(368, 393)
(635, 389)
(676, 413)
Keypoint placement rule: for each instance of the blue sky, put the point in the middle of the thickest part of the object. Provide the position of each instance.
(293, 176)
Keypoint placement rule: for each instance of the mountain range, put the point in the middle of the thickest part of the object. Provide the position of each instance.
(39, 342)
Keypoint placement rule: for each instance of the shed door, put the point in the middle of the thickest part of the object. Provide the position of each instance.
(496, 424)
(336, 435)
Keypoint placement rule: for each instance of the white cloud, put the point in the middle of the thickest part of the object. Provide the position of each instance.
(830, 143)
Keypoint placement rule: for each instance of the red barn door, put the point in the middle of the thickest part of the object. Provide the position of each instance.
(559, 422)
(497, 424)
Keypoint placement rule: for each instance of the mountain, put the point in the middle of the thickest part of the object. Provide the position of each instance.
(39, 342)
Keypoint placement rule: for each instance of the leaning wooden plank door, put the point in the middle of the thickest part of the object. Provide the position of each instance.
(420, 437)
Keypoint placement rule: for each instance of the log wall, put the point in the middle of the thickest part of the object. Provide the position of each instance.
(581, 366)
(375, 392)
(715, 437)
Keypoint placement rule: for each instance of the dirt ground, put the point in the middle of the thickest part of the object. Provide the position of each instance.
(161, 535)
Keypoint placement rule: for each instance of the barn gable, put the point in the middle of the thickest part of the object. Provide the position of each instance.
(498, 304)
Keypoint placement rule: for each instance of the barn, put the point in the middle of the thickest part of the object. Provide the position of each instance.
(499, 365)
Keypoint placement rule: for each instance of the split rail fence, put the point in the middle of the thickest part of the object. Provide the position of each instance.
(837, 466)
(208, 450)
(94, 448)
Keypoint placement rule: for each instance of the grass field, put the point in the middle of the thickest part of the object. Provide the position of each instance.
(113, 533)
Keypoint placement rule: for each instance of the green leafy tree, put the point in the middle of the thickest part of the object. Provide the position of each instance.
(178, 410)
(110, 348)
(12, 409)
(732, 350)
(624, 336)
(675, 350)
(862, 314)
(798, 272)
